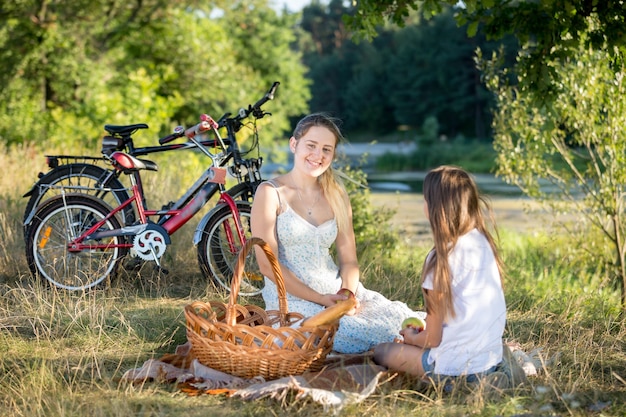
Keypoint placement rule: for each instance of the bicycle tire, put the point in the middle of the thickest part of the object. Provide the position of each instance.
(47, 243)
(243, 191)
(95, 179)
(217, 258)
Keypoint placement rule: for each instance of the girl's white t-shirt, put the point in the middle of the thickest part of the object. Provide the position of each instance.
(472, 340)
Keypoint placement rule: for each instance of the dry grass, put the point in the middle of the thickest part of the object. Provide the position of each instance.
(62, 354)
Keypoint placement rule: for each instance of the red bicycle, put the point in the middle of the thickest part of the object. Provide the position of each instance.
(76, 241)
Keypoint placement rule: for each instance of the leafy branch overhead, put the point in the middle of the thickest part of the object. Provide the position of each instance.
(547, 30)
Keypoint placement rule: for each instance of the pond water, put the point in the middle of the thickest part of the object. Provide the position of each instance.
(412, 182)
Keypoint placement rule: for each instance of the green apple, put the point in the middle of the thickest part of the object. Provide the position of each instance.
(415, 323)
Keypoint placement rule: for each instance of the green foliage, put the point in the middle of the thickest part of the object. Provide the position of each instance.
(430, 131)
(262, 40)
(548, 30)
(549, 266)
(65, 71)
(438, 78)
(575, 143)
(474, 156)
(370, 236)
(20, 114)
(403, 77)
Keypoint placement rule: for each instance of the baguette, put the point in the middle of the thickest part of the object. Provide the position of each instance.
(330, 314)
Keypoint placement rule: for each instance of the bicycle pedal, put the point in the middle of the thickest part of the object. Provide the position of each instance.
(161, 270)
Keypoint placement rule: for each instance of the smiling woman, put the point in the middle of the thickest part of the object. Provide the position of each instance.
(300, 215)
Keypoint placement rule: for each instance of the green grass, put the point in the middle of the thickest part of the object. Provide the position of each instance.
(62, 354)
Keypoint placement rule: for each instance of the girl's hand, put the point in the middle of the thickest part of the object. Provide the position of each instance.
(410, 335)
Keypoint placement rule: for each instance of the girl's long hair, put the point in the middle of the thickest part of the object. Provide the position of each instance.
(455, 207)
(330, 181)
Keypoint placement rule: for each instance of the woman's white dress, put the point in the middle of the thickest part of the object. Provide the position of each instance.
(304, 249)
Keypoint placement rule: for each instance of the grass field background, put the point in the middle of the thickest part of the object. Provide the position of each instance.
(62, 354)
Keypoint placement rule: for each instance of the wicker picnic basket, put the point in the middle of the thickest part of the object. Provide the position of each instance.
(248, 341)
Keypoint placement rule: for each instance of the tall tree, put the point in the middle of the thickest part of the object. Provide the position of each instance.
(67, 68)
(548, 30)
(403, 77)
(325, 25)
(49, 50)
(578, 144)
(262, 40)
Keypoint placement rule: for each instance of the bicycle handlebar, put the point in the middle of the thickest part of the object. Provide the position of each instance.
(268, 96)
(254, 109)
(194, 130)
(212, 123)
(207, 122)
(179, 132)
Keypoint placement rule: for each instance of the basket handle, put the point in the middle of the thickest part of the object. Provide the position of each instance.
(231, 310)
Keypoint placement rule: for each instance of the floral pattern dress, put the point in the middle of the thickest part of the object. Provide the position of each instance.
(305, 249)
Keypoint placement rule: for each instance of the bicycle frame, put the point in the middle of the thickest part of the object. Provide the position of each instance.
(212, 181)
(171, 225)
(54, 161)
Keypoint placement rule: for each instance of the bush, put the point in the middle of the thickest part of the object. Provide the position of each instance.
(371, 226)
(473, 155)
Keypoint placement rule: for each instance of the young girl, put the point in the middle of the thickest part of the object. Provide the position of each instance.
(462, 286)
(300, 215)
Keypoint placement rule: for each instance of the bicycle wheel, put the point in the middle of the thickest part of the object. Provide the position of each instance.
(78, 178)
(218, 249)
(243, 192)
(56, 223)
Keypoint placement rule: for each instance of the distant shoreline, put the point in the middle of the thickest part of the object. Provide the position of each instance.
(518, 214)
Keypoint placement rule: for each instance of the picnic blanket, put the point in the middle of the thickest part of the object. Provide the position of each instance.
(344, 380)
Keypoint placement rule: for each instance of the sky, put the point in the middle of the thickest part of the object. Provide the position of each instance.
(292, 5)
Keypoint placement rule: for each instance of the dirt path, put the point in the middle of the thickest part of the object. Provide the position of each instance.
(515, 214)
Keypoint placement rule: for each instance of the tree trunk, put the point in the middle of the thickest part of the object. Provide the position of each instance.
(621, 259)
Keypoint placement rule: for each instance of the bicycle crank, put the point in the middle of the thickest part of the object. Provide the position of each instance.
(151, 243)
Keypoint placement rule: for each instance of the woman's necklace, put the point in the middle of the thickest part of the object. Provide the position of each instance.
(309, 210)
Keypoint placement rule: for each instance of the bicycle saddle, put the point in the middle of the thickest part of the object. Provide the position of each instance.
(128, 163)
(124, 129)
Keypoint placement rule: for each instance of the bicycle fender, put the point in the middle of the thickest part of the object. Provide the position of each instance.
(42, 179)
(31, 191)
(203, 222)
(31, 214)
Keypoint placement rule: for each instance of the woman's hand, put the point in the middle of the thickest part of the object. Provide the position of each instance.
(329, 300)
(355, 310)
(347, 295)
(342, 296)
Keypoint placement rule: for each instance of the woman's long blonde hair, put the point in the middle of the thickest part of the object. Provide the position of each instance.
(330, 181)
(454, 208)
